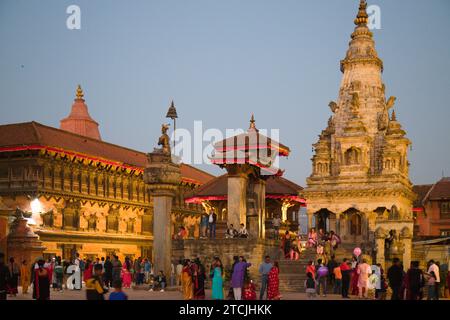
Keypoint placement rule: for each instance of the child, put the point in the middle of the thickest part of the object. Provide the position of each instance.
(322, 275)
(431, 285)
(118, 294)
(159, 281)
(94, 286)
(310, 286)
(372, 285)
(249, 290)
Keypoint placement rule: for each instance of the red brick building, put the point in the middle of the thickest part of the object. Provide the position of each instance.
(432, 209)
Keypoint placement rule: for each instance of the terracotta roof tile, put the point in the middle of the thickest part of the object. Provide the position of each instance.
(440, 190)
(421, 191)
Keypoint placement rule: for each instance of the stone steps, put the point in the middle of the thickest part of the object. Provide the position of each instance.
(293, 272)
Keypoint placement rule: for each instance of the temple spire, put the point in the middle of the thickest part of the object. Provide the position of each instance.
(362, 18)
(393, 117)
(79, 121)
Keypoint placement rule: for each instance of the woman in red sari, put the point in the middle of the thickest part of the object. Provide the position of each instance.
(273, 292)
(355, 276)
(88, 270)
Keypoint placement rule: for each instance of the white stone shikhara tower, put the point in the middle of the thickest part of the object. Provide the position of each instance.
(359, 186)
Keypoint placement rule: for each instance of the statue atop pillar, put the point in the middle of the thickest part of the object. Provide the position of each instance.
(164, 139)
(163, 177)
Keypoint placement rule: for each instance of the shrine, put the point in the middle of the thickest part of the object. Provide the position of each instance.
(359, 186)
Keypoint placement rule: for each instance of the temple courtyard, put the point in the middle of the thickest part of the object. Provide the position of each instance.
(167, 295)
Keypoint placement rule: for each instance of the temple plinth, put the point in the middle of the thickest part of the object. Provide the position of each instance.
(163, 177)
(23, 243)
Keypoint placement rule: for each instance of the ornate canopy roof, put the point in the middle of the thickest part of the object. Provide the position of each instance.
(276, 188)
(250, 147)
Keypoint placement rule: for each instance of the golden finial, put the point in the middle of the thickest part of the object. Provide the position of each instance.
(393, 117)
(362, 18)
(80, 93)
(252, 122)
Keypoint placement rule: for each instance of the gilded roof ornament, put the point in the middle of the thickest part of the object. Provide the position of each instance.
(252, 122)
(362, 18)
(79, 93)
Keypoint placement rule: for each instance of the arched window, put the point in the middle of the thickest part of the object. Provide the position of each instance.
(352, 156)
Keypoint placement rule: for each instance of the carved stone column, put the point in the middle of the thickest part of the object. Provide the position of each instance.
(237, 194)
(256, 226)
(406, 239)
(163, 178)
(310, 218)
(380, 236)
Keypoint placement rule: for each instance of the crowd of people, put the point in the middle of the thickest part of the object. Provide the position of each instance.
(194, 275)
(99, 276)
(358, 278)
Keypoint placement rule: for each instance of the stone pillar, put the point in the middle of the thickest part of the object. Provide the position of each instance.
(237, 199)
(257, 228)
(380, 257)
(310, 218)
(163, 178)
(380, 236)
(338, 224)
(406, 239)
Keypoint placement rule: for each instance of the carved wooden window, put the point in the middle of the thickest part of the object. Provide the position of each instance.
(445, 210)
(92, 222)
(71, 219)
(48, 219)
(130, 226)
(112, 222)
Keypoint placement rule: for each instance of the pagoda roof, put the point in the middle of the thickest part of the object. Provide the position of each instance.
(217, 189)
(36, 136)
(251, 140)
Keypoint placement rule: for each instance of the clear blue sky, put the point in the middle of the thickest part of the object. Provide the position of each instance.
(221, 61)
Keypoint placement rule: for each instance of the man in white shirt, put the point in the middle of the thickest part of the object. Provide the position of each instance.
(276, 223)
(434, 267)
(212, 224)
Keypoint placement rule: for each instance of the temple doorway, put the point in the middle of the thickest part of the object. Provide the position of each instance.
(324, 219)
(353, 225)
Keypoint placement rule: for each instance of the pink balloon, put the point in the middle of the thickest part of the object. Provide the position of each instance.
(357, 252)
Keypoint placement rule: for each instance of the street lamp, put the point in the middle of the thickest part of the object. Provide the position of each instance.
(172, 114)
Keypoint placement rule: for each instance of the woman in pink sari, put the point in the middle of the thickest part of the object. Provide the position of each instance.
(126, 274)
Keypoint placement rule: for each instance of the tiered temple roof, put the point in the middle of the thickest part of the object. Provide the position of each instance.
(250, 147)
